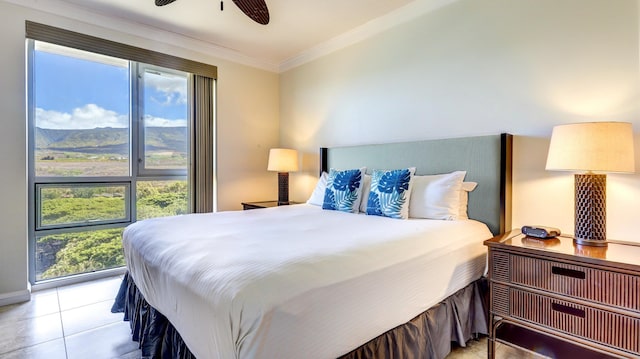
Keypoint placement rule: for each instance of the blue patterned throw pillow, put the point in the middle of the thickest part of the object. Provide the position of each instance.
(389, 194)
(343, 190)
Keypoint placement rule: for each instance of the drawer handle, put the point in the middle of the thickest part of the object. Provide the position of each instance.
(568, 310)
(568, 272)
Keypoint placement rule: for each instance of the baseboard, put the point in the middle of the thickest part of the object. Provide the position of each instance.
(15, 297)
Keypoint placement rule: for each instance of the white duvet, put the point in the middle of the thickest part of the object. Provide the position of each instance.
(297, 281)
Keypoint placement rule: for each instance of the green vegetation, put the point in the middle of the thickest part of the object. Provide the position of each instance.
(80, 252)
(101, 152)
(82, 204)
(160, 199)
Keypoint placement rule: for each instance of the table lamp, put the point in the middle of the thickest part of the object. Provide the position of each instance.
(591, 147)
(283, 161)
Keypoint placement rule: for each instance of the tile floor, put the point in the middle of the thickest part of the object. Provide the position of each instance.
(68, 323)
(477, 349)
(75, 322)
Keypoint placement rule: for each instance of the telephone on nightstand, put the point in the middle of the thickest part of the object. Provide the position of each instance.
(540, 231)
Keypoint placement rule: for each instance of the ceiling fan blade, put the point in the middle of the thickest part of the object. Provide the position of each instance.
(255, 9)
(163, 2)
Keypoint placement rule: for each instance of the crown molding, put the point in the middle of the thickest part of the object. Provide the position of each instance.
(399, 16)
(68, 11)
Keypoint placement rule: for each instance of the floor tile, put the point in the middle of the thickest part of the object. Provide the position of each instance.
(110, 341)
(17, 334)
(477, 349)
(509, 352)
(41, 303)
(480, 347)
(78, 295)
(89, 317)
(474, 349)
(50, 350)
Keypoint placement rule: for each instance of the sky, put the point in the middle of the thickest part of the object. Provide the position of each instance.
(78, 93)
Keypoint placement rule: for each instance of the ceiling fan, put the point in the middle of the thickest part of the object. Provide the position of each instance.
(255, 9)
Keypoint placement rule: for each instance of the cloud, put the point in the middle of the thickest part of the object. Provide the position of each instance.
(85, 117)
(173, 89)
(93, 116)
(52, 119)
(151, 121)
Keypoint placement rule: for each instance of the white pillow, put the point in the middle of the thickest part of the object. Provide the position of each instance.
(318, 193)
(464, 198)
(437, 196)
(366, 188)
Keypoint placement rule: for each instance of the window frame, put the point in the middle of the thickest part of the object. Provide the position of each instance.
(39, 186)
(203, 183)
(138, 121)
(136, 133)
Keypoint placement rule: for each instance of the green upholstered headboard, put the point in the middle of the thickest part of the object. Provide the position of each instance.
(487, 160)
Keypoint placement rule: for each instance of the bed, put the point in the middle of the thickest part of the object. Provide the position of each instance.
(299, 281)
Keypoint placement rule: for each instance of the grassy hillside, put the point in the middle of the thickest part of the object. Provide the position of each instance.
(86, 251)
(102, 152)
(105, 151)
(109, 140)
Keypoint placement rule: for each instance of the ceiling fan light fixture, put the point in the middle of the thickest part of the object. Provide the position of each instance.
(255, 9)
(163, 2)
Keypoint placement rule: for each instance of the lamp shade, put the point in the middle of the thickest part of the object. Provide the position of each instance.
(283, 160)
(592, 146)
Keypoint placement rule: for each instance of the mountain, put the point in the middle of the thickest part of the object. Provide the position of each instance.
(110, 140)
(166, 139)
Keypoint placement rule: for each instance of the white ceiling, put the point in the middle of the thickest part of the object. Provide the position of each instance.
(296, 28)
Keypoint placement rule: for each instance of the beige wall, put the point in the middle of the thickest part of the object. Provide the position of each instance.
(481, 67)
(247, 126)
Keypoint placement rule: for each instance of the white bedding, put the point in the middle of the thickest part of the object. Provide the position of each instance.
(297, 281)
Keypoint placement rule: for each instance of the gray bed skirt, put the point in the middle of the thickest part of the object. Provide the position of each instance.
(429, 335)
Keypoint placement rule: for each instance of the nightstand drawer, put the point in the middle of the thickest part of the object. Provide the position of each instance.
(600, 326)
(500, 299)
(576, 281)
(564, 296)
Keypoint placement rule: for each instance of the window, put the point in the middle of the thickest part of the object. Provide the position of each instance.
(110, 142)
(81, 113)
(76, 204)
(164, 95)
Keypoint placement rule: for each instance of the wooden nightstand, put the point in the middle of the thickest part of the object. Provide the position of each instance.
(262, 204)
(563, 300)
